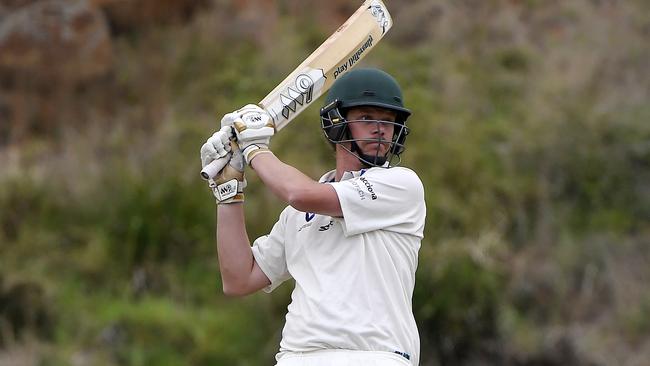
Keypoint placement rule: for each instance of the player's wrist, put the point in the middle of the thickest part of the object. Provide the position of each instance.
(231, 191)
(228, 186)
(238, 198)
(254, 150)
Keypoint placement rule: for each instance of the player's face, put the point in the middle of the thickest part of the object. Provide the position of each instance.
(371, 134)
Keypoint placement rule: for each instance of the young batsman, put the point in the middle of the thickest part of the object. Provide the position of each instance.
(350, 241)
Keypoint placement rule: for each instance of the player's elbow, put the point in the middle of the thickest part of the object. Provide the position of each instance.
(232, 293)
(231, 290)
(302, 200)
(298, 201)
(302, 196)
(232, 286)
(316, 201)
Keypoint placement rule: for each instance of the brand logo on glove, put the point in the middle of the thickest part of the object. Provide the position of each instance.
(224, 190)
(227, 190)
(254, 119)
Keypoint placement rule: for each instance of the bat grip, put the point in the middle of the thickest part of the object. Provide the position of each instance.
(215, 166)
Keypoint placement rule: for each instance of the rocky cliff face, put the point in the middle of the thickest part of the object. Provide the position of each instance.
(54, 41)
(50, 48)
(46, 47)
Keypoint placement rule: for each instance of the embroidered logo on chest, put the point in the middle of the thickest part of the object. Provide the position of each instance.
(326, 227)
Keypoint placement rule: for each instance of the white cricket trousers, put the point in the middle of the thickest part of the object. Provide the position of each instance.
(343, 358)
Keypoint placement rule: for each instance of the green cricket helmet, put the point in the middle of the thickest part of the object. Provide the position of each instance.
(365, 87)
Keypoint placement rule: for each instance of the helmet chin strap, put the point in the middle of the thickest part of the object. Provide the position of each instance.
(366, 160)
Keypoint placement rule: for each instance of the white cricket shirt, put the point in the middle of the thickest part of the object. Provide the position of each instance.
(354, 275)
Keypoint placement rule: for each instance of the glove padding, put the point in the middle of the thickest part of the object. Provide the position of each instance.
(228, 186)
(253, 128)
(217, 146)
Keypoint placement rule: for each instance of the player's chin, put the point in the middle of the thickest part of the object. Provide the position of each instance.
(378, 149)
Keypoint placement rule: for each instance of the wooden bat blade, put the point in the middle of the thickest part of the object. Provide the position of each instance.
(336, 56)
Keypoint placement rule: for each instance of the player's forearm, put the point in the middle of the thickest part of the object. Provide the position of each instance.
(286, 182)
(233, 248)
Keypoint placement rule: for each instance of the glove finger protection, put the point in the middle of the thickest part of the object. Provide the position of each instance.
(229, 118)
(217, 146)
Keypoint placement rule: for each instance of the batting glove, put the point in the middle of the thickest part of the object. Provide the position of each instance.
(253, 128)
(216, 147)
(228, 185)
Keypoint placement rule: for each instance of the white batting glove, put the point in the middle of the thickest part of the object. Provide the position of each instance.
(253, 127)
(228, 186)
(217, 146)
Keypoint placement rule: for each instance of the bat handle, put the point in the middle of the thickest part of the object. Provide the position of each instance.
(211, 170)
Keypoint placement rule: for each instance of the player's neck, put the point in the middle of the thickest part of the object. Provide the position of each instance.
(346, 162)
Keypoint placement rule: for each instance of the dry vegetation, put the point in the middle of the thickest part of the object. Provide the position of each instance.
(530, 131)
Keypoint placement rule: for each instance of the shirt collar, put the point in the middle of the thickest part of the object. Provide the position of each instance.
(331, 175)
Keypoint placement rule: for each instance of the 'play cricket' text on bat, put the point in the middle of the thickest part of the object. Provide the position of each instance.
(314, 76)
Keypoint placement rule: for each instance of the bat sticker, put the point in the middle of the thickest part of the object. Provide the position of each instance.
(349, 63)
(377, 10)
(298, 94)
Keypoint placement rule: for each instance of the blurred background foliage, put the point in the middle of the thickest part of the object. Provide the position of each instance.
(530, 132)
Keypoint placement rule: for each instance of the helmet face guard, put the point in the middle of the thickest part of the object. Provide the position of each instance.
(359, 88)
(336, 129)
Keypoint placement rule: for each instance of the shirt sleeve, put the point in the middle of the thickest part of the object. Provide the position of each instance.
(269, 253)
(382, 199)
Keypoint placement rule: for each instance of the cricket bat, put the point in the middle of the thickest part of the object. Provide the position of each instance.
(316, 74)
